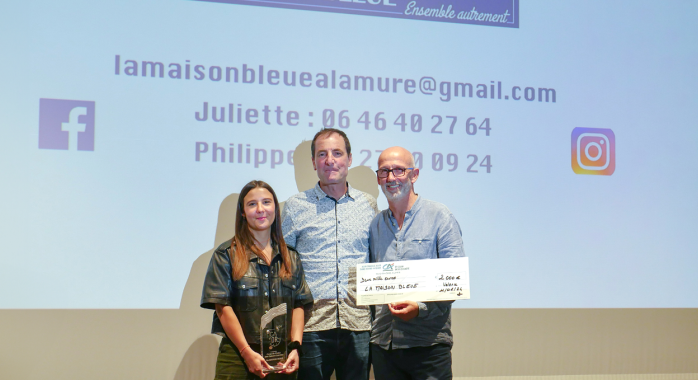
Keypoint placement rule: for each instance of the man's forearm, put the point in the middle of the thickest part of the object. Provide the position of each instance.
(433, 309)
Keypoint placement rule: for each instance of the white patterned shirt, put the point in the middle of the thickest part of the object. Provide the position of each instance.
(331, 237)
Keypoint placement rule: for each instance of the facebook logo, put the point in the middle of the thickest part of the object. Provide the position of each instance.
(66, 124)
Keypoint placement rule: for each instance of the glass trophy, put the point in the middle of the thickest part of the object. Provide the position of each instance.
(273, 339)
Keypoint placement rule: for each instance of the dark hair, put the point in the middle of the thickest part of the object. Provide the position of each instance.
(328, 132)
(244, 240)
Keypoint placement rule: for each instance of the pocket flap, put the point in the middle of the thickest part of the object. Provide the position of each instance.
(247, 283)
(289, 283)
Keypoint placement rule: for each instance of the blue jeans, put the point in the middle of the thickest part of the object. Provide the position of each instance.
(343, 351)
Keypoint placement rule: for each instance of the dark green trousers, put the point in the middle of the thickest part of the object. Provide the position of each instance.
(231, 366)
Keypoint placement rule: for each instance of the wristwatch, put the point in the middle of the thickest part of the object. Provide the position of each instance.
(296, 345)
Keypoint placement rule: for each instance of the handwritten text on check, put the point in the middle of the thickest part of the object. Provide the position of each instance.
(414, 280)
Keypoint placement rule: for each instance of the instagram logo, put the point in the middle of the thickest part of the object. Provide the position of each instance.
(66, 124)
(593, 151)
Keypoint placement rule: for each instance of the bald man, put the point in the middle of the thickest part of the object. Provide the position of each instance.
(411, 340)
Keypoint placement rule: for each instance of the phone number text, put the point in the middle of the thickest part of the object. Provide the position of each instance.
(344, 119)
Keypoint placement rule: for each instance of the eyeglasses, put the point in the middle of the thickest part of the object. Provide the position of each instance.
(397, 172)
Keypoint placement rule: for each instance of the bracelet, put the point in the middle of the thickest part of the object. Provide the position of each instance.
(296, 345)
(243, 350)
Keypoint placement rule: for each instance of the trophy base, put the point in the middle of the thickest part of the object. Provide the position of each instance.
(274, 369)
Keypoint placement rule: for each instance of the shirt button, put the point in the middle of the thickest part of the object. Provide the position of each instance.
(243, 286)
(273, 290)
(293, 286)
(266, 294)
(266, 275)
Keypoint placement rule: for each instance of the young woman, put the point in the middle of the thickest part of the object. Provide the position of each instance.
(249, 275)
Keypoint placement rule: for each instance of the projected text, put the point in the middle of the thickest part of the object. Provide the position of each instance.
(444, 90)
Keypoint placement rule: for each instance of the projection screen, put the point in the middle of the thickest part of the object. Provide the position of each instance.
(562, 136)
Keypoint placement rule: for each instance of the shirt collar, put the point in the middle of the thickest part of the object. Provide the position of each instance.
(320, 194)
(275, 252)
(415, 207)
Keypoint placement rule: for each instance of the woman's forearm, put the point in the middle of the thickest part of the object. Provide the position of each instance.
(232, 326)
(297, 324)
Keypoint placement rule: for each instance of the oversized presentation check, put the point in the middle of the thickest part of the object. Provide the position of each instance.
(413, 280)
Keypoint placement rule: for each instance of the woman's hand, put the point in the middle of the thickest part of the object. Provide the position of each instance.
(255, 362)
(291, 364)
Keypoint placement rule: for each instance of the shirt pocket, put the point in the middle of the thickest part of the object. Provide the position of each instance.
(288, 289)
(246, 293)
(417, 249)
